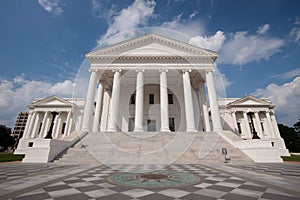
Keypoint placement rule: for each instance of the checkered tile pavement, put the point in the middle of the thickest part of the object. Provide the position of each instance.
(93, 184)
(281, 169)
(14, 171)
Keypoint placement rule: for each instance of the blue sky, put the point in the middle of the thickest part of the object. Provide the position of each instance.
(43, 43)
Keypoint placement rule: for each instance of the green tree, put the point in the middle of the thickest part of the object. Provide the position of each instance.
(297, 126)
(291, 137)
(6, 140)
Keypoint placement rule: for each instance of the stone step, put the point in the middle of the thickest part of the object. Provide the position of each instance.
(163, 147)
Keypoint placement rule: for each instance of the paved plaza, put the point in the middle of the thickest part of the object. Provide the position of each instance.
(193, 181)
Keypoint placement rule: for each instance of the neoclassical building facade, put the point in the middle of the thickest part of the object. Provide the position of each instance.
(152, 84)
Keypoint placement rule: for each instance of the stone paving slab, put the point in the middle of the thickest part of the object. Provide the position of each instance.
(91, 182)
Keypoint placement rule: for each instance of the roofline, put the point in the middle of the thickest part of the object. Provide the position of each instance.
(148, 35)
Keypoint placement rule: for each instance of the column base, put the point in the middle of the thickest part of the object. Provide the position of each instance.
(165, 130)
(95, 130)
(111, 130)
(191, 130)
(218, 129)
(138, 130)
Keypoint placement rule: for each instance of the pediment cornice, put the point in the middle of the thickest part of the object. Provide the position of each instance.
(120, 49)
(250, 101)
(51, 101)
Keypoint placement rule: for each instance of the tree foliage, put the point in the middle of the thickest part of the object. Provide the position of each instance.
(6, 140)
(291, 136)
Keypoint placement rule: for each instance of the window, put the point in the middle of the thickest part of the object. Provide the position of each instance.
(151, 98)
(172, 124)
(239, 127)
(170, 98)
(132, 99)
(131, 124)
(63, 128)
(151, 125)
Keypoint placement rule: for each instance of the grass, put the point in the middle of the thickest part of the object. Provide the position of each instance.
(291, 158)
(9, 157)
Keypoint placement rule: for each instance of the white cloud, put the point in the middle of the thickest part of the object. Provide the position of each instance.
(16, 94)
(129, 18)
(214, 42)
(243, 48)
(295, 34)
(193, 14)
(263, 29)
(189, 28)
(297, 21)
(100, 9)
(286, 98)
(51, 6)
(290, 74)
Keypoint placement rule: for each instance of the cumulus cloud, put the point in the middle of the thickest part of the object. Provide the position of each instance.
(243, 48)
(128, 18)
(263, 29)
(214, 42)
(286, 98)
(190, 28)
(295, 34)
(51, 6)
(16, 94)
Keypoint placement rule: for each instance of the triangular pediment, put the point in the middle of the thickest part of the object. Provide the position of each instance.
(152, 45)
(52, 101)
(250, 101)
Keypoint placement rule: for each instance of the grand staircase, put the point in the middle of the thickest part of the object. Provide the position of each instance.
(150, 148)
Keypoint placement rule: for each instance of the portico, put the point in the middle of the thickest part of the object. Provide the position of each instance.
(179, 70)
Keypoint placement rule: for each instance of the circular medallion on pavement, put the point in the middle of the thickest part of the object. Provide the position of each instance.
(154, 179)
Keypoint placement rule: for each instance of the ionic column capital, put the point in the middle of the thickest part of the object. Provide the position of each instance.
(163, 70)
(233, 112)
(139, 70)
(93, 70)
(116, 70)
(209, 70)
(186, 70)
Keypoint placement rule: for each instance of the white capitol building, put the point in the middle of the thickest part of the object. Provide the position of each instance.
(152, 85)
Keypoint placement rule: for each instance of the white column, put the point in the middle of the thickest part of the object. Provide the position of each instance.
(248, 133)
(56, 126)
(214, 107)
(164, 105)
(204, 107)
(42, 133)
(89, 102)
(27, 127)
(139, 103)
(70, 126)
(67, 124)
(271, 129)
(35, 125)
(188, 102)
(105, 111)
(258, 125)
(47, 126)
(32, 123)
(275, 126)
(236, 129)
(98, 110)
(115, 101)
